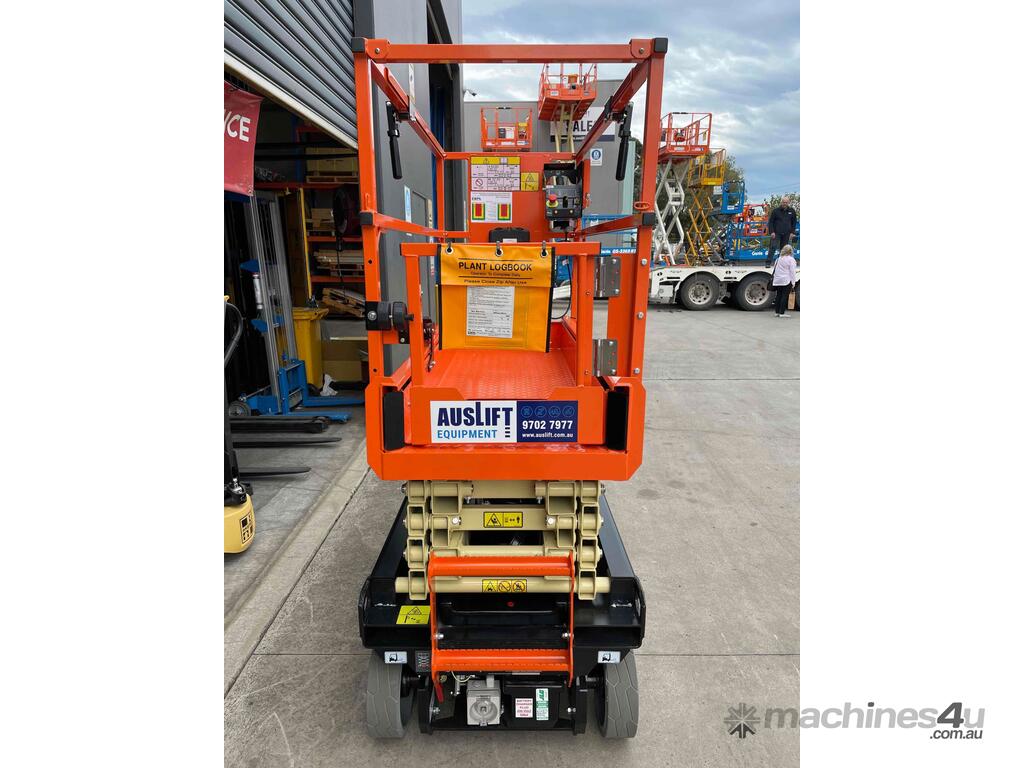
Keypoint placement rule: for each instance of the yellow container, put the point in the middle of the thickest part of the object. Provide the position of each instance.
(307, 341)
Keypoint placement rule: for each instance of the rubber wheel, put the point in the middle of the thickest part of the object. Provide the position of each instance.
(238, 408)
(387, 710)
(753, 294)
(699, 291)
(621, 710)
(796, 292)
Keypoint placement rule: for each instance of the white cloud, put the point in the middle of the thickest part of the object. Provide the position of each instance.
(738, 59)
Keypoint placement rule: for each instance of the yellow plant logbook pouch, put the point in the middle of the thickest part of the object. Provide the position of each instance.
(495, 298)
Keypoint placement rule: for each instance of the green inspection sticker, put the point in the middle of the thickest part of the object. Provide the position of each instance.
(542, 704)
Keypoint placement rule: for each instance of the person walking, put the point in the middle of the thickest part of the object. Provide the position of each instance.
(783, 280)
(781, 225)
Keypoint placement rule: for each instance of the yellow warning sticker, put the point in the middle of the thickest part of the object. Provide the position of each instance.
(503, 519)
(529, 181)
(413, 614)
(503, 585)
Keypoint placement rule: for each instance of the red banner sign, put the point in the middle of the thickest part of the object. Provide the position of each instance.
(241, 114)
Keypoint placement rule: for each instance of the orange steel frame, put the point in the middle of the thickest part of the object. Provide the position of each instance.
(626, 312)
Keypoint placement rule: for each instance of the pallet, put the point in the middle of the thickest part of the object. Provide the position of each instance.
(324, 178)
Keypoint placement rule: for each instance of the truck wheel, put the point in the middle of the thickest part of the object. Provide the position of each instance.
(699, 291)
(753, 293)
(620, 711)
(387, 708)
(796, 293)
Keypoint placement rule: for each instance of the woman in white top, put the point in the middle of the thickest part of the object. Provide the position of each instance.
(783, 280)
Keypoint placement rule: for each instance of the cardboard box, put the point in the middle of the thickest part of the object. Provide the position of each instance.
(333, 166)
(344, 359)
(323, 218)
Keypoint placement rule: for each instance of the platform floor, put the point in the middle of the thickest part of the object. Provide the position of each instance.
(711, 522)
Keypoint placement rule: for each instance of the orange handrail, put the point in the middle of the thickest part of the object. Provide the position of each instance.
(500, 659)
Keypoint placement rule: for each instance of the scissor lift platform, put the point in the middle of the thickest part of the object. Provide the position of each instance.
(397, 631)
(684, 135)
(566, 94)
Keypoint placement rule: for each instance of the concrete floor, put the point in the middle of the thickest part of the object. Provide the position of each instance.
(282, 503)
(711, 522)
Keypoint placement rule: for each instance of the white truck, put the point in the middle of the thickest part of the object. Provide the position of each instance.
(745, 287)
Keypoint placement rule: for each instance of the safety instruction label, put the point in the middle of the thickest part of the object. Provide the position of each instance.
(542, 703)
(413, 614)
(503, 519)
(529, 181)
(490, 207)
(489, 173)
(524, 708)
(503, 421)
(247, 526)
(503, 585)
(489, 311)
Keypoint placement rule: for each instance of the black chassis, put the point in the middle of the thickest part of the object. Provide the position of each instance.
(611, 622)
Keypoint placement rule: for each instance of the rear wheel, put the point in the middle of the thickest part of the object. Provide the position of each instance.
(620, 710)
(699, 291)
(753, 294)
(796, 300)
(387, 707)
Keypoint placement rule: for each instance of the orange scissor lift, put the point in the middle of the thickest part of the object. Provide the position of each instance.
(503, 595)
(506, 128)
(565, 96)
(684, 137)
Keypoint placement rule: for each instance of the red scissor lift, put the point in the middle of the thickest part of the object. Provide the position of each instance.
(432, 611)
(508, 129)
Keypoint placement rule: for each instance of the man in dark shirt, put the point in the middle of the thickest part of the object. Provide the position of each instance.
(781, 226)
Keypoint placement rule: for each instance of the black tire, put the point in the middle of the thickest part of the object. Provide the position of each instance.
(698, 292)
(754, 293)
(620, 713)
(387, 709)
(796, 293)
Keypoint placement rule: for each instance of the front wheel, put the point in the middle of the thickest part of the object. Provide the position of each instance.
(620, 711)
(387, 707)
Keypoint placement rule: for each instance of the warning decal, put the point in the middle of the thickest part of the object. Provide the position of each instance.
(493, 174)
(529, 181)
(503, 519)
(524, 708)
(248, 526)
(413, 614)
(503, 585)
(490, 206)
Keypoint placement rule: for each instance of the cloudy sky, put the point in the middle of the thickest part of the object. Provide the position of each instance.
(738, 60)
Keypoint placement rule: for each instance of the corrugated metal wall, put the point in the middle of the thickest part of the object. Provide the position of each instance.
(303, 48)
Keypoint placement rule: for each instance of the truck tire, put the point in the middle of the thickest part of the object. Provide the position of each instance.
(796, 293)
(754, 294)
(620, 712)
(700, 291)
(387, 709)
